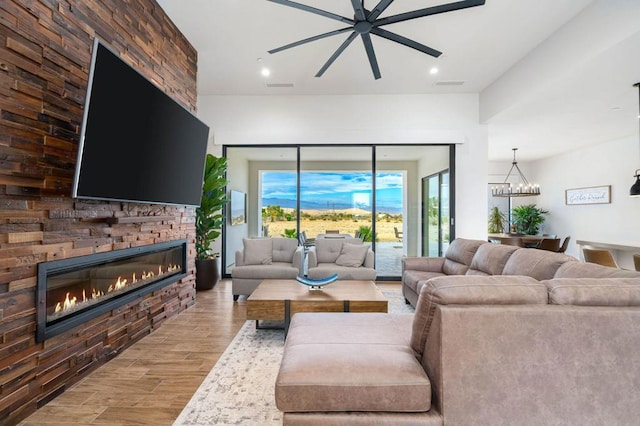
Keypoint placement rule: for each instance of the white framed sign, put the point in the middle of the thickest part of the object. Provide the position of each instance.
(590, 195)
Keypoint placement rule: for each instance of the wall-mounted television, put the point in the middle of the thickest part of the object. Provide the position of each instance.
(137, 144)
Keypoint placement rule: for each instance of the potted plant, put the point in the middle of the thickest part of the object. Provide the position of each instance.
(528, 218)
(209, 220)
(497, 221)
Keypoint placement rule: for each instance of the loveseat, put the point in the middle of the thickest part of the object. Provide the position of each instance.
(483, 348)
(265, 258)
(350, 258)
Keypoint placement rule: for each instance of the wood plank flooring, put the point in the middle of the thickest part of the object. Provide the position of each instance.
(152, 381)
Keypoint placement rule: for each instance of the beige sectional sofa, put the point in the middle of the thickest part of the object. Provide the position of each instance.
(520, 337)
(265, 258)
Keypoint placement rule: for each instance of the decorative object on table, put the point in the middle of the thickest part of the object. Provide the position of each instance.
(497, 221)
(523, 189)
(635, 188)
(209, 220)
(317, 283)
(528, 218)
(590, 195)
(366, 22)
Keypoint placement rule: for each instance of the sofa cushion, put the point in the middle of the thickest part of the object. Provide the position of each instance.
(258, 251)
(591, 270)
(471, 290)
(459, 255)
(352, 255)
(276, 270)
(411, 278)
(594, 291)
(344, 272)
(327, 250)
(490, 259)
(337, 362)
(284, 249)
(539, 264)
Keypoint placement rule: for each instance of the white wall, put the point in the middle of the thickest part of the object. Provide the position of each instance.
(238, 176)
(610, 163)
(391, 119)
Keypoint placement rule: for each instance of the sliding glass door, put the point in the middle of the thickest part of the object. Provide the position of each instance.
(372, 192)
(436, 214)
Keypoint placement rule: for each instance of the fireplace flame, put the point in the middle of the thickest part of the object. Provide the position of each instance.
(66, 304)
(71, 302)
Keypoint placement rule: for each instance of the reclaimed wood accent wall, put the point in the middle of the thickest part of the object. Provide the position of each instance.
(45, 52)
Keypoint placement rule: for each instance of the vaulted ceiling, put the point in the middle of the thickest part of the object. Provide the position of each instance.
(552, 75)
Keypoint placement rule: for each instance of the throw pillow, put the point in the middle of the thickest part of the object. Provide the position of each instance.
(352, 255)
(258, 251)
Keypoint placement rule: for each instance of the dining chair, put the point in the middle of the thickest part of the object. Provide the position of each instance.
(564, 245)
(332, 231)
(513, 241)
(398, 233)
(636, 261)
(550, 244)
(601, 257)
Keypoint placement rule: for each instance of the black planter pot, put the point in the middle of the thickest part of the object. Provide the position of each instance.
(206, 274)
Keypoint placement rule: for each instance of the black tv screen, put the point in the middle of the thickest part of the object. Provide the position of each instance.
(137, 144)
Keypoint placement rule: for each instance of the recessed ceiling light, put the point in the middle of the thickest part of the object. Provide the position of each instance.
(265, 72)
(433, 70)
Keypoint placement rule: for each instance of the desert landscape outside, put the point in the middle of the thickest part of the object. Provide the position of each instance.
(279, 222)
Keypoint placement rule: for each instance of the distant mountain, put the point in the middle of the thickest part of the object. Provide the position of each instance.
(321, 205)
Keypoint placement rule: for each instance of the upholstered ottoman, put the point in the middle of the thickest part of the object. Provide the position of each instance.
(342, 368)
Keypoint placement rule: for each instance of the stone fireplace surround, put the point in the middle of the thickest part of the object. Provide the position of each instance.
(45, 51)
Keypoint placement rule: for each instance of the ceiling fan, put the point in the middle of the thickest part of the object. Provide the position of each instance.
(366, 22)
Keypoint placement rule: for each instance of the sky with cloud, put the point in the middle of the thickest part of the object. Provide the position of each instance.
(329, 190)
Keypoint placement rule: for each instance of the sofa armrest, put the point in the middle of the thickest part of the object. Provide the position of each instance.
(240, 257)
(426, 264)
(369, 260)
(471, 290)
(312, 258)
(298, 260)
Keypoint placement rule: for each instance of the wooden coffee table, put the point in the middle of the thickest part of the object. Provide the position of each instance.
(280, 299)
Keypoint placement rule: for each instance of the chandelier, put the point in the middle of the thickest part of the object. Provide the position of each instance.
(524, 189)
(635, 188)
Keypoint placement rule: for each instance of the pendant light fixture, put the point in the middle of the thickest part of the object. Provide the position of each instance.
(524, 189)
(635, 188)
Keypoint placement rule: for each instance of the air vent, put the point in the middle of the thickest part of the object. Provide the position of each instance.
(278, 85)
(449, 83)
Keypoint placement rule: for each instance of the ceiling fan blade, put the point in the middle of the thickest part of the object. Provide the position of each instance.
(314, 10)
(449, 7)
(405, 41)
(368, 46)
(310, 39)
(381, 7)
(359, 10)
(337, 53)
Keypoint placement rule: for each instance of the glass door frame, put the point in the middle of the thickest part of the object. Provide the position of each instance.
(298, 147)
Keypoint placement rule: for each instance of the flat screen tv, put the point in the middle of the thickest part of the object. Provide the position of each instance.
(137, 144)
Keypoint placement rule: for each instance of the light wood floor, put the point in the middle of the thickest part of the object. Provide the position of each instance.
(152, 381)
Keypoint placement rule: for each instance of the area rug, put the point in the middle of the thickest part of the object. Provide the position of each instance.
(239, 390)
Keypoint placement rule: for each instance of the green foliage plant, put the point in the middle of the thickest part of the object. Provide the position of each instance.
(497, 221)
(366, 234)
(290, 233)
(209, 216)
(528, 218)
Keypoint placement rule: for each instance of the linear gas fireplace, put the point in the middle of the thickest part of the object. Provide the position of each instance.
(72, 291)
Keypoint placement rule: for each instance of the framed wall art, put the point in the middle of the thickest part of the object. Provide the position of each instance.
(589, 195)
